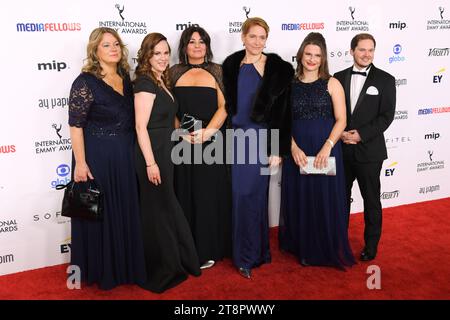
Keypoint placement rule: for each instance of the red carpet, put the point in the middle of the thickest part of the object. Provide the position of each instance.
(414, 258)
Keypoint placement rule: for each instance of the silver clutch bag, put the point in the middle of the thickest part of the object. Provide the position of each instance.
(329, 170)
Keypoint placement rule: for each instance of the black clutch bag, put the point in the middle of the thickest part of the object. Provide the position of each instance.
(190, 123)
(82, 200)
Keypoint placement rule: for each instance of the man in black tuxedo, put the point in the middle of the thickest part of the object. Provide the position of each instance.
(370, 98)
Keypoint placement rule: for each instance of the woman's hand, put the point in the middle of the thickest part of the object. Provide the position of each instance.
(153, 174)
(274, 161)
(299, 156)
(82, 172)
(321, 160)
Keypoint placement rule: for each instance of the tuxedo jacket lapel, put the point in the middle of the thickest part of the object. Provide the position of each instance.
(369, 82)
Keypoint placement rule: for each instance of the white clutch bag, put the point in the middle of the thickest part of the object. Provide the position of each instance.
(329, 170)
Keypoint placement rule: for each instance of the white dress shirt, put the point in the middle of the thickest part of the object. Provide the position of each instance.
(356, 84)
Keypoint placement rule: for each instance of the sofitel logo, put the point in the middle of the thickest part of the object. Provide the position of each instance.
(390, 195)
(441, 24)
(396, 141)
(60, 144)
(352, 25)
(432, 164)
(123, 26)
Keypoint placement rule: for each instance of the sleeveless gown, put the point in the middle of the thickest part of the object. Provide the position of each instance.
(313, 207)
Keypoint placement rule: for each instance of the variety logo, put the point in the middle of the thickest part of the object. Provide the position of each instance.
(390, 195)
(439, 24)
(8, 226)
(183, 26)
(438, 52)
(63, 171)
(48, 146)
(389, 172)
(52, 103)
(47, 26)
(9, 258)
(235, 26)
(437, 78)
(123, 25)
(397, 58)
(401, 115)
(432, 164)
(51, 66)
(429, 189)
(303, 26)
(397, 25)
(436, 110)
(432, 136)
(352, 25)
(7, 149)
(401, 82)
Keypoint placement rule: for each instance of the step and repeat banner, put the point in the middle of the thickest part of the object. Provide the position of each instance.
(44, 44)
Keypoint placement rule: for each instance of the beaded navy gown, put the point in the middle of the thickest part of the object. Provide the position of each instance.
(108, 252)
(313, 207)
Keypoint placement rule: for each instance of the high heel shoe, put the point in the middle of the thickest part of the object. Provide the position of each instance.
(246, 273)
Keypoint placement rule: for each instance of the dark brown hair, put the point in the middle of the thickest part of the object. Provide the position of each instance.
(362, 36)
(317, 39)
(186, 37)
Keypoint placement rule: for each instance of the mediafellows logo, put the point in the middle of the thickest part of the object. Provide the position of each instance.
(124, 25)
(439, 24)
(7, 149)
(48, 26)
(353, 24)
(302, 26)
(397, 49)
(435, 110)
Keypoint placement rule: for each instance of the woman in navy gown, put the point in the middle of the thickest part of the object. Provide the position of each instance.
(256, 94)
(101, 119)
(313, 207)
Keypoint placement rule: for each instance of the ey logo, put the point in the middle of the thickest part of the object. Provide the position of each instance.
(390, 169)
(437, 78)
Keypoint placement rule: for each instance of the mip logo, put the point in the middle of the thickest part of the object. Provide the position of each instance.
(397, 49)
(63, 171)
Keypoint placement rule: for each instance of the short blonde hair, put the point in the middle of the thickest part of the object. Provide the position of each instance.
(256, 21)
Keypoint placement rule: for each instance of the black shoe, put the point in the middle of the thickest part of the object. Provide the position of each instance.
(246, 273)
(366, 256)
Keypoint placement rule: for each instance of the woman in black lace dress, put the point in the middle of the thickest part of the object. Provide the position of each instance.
(101, 119)
(202, 187)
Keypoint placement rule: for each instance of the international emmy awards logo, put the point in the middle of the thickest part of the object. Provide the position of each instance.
(441, 11)
(430, 154)
(247, 11)
(352, 11)
(120, 11)
(54, 126)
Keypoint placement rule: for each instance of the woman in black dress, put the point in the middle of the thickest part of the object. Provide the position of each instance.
(101, 119)
(169, 248)
(202, 187)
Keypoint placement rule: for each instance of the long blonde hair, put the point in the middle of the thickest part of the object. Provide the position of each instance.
(92, 64)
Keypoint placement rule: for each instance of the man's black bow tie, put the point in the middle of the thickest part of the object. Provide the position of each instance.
(361, 73)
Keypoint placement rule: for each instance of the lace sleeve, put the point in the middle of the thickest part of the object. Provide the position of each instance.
(216, 71)
(80, 101)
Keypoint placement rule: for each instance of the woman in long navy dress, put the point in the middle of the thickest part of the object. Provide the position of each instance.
(170, 253)
(256, 94)
(101, 119)
(313, 207)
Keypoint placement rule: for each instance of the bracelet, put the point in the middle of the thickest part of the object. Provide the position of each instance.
(330, 142)
(150, 165)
